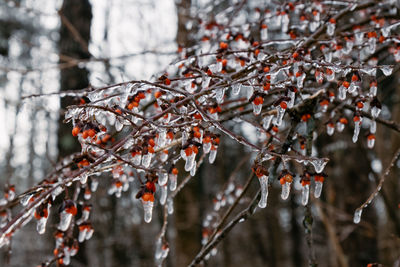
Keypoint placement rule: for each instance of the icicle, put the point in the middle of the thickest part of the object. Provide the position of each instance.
(359, 38)
(285, 190)
(330, 28)
(373, 90)
(352, 88)
(292, 96)
(279, 117)
(285, 22)
(94, 185)
(193, 170)
(267, 121)
(318, 189)
(375, 111)
(219, 95)
(319, 164)
(372, 127)
(158, 249)
(172, 181)
(264, 191)
(300, 80)
(25, 199)
(372, 45)
(162, 138)
(330, 75)
(65, 220)
(137, 159)
(340, 127)
(162, 178)
(165, 251)
(118, 125)
(357, 216)
(305, 192)
(41, 225)
(148, 210)
(342, 92)
(330, 129)
(387, 70)
(213, 155)
(82, 234)
(207, 147)
(190, 160)
(236, 88)
(257, 109)
(83, 178)
(146, 159)
(264, 33)
(371, 141)
(164, 156)
(357, 127)
(170, 207)
(163, 197)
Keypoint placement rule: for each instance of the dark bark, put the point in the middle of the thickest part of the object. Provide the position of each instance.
(76, 17)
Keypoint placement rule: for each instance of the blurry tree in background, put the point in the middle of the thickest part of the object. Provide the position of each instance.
(269, 138)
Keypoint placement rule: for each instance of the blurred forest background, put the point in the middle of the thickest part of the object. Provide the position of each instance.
(47, 46)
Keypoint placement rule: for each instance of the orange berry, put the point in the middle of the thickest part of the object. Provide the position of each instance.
(175, 171)
(170, 135)
(266, 69)
(197, 134)
(343, 120)
(283, 105)
(223, 45)
(354, 78)
(75, 131)
(91, 132)
(346, 84)
(150, 149)
(148, 197)
(151, 142)
(258, 100)
(188, 151)
(71, 210)
(267, 86)
(85, 134)
(195, 149)
(207, 139)
(324, 102)
(157, 94)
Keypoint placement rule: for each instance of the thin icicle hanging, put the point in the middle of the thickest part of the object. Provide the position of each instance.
(370, 140)
(285, 180)
(148, 203)
(68, 210)
(173, 176)
(257, 105)
(262, 174)
(319, 181)
(357, 216)
(357, 126)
